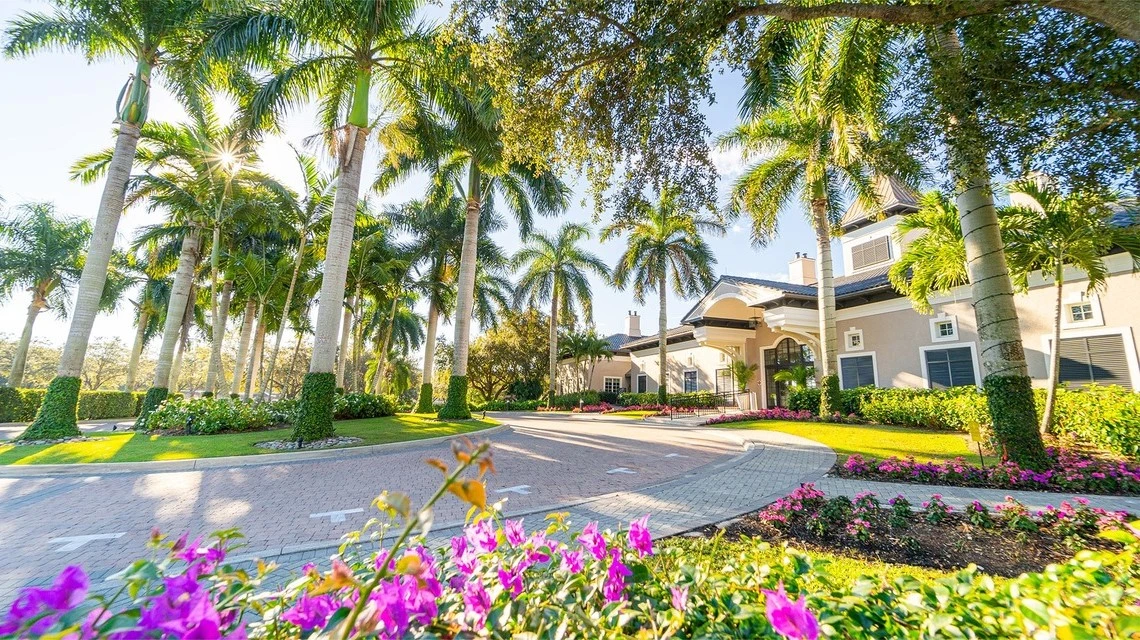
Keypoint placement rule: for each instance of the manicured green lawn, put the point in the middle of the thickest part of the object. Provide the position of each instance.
(138, 447)
(875, 440)
(631, 414)
(842, 569)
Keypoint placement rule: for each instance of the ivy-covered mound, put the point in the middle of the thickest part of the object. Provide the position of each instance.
(315, 413)
(154, 397)
(456, 407)
(1068, 471)
(426, 403)
(1006, 541)
(496, 578)
(56, 418)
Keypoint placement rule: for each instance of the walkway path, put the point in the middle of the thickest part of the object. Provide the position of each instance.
(9, 430)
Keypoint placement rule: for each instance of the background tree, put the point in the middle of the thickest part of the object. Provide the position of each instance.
(665, 247)
(504, 356)
(40, 252)
(555, 270)
(743, 373)
(158, 37)
(106, 364)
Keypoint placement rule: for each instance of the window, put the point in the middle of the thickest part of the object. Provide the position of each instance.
(871, 253)
(690, 381)
(857, 371)
(1081, 312)
(611, 385)
(642, 382)
(853, 339)
(944, 329)
(950, 367)
(1099, 359)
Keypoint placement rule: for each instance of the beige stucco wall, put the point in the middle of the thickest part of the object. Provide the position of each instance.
(618, 367)
(682, 356)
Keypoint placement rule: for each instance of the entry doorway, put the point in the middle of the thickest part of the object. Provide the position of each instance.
(786, 355)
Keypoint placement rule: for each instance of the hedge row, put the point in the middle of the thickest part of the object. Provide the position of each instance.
(20, 405)
(207, 416)
(1104, 417)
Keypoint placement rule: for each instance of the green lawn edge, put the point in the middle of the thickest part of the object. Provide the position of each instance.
(134, 446)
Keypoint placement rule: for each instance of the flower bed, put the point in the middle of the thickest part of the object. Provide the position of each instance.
(1070, 472)
(1007, 540)
(780, 413)
(496, 578)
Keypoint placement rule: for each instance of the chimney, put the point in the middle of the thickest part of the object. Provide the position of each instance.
(632, 324)
(801, 270)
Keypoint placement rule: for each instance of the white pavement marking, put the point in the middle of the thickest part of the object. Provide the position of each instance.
(621, 470)
(676, 455)
(335, 516)
(71, 543)
(519, 489)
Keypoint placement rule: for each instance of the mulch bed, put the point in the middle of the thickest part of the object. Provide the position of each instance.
(950, 545)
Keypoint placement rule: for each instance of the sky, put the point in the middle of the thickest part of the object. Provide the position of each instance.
(57, 108)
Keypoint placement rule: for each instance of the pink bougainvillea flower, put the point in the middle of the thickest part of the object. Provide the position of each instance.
(572, 561)
(482, 536)
(514, 531)
(477, 601)
(68, 590)
(512, 580)
(310, 612)
(680, 597)
(639, 537)
(614, 587)
(593, 541)
(790, 619)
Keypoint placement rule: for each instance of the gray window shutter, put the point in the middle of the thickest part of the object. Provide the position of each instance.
(858, 371)
(950, 368)
(1099, 359)
(871, 252)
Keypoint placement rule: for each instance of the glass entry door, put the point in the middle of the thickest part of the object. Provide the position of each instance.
(787, 354)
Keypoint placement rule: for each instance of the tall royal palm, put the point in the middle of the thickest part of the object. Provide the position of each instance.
(157, 37)
(341, 54)
(41, 252)
(555, 270)
(665, 247)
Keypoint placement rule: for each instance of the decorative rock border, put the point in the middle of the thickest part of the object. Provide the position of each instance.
(291, 445)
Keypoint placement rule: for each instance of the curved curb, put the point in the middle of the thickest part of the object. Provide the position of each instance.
(254, 460)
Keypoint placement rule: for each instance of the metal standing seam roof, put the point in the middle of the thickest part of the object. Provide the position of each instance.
(894, 197)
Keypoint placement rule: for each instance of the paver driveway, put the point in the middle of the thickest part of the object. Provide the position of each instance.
(103, 522)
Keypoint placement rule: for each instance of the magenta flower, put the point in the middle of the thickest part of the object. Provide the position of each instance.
(680, 597)
(790, 619)
(514, 532)
(572, 561)
(482, 536)
(614, 587)
(512, 581)
(68, 590)
(310, 612)
(593, 541)
(477, 601)
(639, 537)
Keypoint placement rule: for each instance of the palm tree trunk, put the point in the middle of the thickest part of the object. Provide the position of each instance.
(176, 366)
(345, 339)
(553, 345)
(243, 344)
(292, 367)
(382, 354)
(1009, 390)
(215, 379)
(251, 370)
(56, 417)
(662, 342)
(136, 351)
(825, 300)
(1055, 354)
(20, 358)
(426, 403)
(456, 405)
(175, 314)
(285, 313)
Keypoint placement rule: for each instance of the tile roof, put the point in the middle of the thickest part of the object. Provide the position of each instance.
(617, 340)
(844, 285)
(644, 341)
(894, 196)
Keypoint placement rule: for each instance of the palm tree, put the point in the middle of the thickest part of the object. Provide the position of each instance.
(42, 253)
(341, 53)
(150, 304)
(665, 245)
(158, 37)
(556, 269)
(935, 260)
(587, 348)
(797, 376)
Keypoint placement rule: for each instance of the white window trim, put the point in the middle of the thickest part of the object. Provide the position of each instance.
(874, 365)
(1124, 332)
(606, 379)
(1097, 319)
(938, 347)
(934, 322)
(847, 339)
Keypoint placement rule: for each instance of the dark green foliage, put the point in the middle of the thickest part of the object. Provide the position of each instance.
(20, 405)
(568, 401)
(526, 389)
(697, 399)
(808, 399)
(829, 403)
(154, 397)
(208, 416)
(315, 415)
(456, 407)
(56, 417)
(357, 406)
(1014, 413)
(1106, 417)
(512, 405)
(609, 397)
(426, 403)
(208, 394)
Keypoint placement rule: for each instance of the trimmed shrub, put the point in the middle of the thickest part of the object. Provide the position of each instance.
(1105, 417)
(208, 416)
(315, 412)
(56, 417)
(808, 399)
(696, 400)
(19, 405)
(456, 406)
(569, 401)
(357, 406)
(829, 401)
(509, 405)
(102, 405)
(953, 409)
(154, 397)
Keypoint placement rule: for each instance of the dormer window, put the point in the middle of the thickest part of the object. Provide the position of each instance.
(871, 253)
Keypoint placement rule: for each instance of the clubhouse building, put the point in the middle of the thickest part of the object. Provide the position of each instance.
(883, 341)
